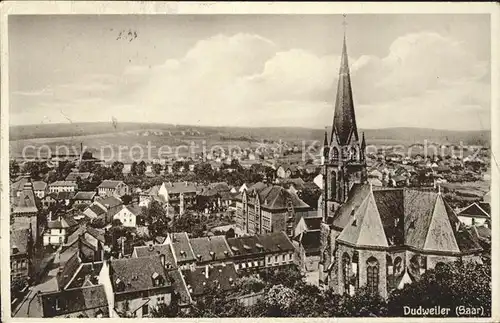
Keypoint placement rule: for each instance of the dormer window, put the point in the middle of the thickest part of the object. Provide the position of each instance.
(212, 254)
(198, 256)
(156, 279)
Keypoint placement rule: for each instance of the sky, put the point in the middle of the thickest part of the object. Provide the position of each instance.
(418, 70)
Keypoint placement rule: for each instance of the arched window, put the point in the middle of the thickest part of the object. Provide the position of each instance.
(372, 275)
(414, 267)
(333, 185)
(389, 264)
(335, 153)
(346, 269)
(354, 153)
(398, 266)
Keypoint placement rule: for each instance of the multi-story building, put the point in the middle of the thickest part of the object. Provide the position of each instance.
(179, 195)
(112, 188)
(127, 215)
(25, 211)
(267, 208)
(62, 186)
(85, 198)
(211, 250)
(58, 230)
(21, 252)
(40, 189)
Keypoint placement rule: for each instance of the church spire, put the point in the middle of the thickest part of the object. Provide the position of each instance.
(325, 141)
(344, 119)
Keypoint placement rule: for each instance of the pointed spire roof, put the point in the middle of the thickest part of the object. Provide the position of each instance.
(363, 142)
(344, 120)
(325, 141)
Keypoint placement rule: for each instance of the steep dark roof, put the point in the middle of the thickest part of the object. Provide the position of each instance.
(344, 120)
(70, 268)
(86, 271)
(477, 210)
(313, 223)
(109, 184)
(75, 300)
(245, 246)
(136, 274)
(64, 222)
(311, 241)
(179, 285)
(182, 247)
(84, 196)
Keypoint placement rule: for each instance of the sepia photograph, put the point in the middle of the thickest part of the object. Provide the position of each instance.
(248, 164)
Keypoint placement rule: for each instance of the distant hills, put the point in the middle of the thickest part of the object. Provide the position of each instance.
(386, 135)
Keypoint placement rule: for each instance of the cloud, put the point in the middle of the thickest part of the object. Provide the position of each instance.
(245, 79)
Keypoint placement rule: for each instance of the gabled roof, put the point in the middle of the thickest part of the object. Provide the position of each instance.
(180, 187)
(26, 202)
(477, 210)
(276, 242)
(69, 270)
(84, 196)
(311, 241)
(75, 300)
(19, 239)
(109, 184)
(205, 247)
(39, 186)
(135, 274)
(409, 217)
(155, 250)
(276, 198)
(74, 175)
(245, 245)
(182, 248)
(62, 183)
(179, 285)
(222, 276)
(86, 273)
(112, 201)
(62, 223)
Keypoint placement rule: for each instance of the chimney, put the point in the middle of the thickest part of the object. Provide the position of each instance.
(162, 259)
(206, 271)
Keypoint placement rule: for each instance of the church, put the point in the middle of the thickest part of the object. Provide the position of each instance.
(373, 237)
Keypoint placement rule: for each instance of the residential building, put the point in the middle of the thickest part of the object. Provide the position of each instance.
(221, 276)
(112, 188)
(267, 208)
(85, 198)
(182, 250)
(211, 250)
(89, 242)
(58, 230)
(105, 207)
(179, 195)
(25, 211)
(138, 285)
(62, 186)
(73, 176)
(21, 253)
(40, 189)
(127, 215)
(478, 213)
(248, 253)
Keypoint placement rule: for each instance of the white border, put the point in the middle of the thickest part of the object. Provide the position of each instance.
(39, 7)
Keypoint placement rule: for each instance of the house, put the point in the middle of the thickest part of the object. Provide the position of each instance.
(25, 211)
(138, 285)
(127, 215)
(112, 188)
(85, 198)
(76, 272)
(17, 186)
(147, 196)
(287, 171)
(62, 186)
(379, 237)
(279, 249)
(199, 280)
(182, 250)
(265, 208)
(40, 189)
(63, 198)
(73, 176)
(21, 253)
(58, 230)
(83, 302)
(103, 207)
(179, 195)
(211, 250)
(477, 213)
(88, 242)
(248, 253)
(48, 200)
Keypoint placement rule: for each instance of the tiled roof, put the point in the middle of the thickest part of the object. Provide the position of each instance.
(275, 197)
(62, 223)
(39, 186)
(70, 301)
(97, 209)
(136, 274)
(85, 196)
(74, 175)
(245, 245)
(181, 187)
(205, 247)
(478, 210)
(86, 271)
(63, 195)
(26, 202)
(179, 285)
(154, 250)
(311, 241)
(219, 276)
(110, 200)
(276, 242)
(182, 247)
(19, 239)
(62, 183)
(109, 184)
(313, 223)
(69, 270)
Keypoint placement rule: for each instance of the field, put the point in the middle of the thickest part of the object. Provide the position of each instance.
(123, 140)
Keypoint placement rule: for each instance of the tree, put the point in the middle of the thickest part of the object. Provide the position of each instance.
(141, 168)
(157, 168)
(155, 217)
(448, 285)
(133, 169)
(230, 233)
(13, 168)
(117, 170)
(126, 199)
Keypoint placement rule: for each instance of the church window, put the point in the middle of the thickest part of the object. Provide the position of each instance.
(372, 275)
(335, 153)
(346, 263)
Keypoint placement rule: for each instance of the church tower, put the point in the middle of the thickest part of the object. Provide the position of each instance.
(345, 163)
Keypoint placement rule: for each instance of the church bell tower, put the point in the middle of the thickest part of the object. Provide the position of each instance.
(344, 156)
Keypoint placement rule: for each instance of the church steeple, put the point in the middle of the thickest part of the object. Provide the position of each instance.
(344, 119)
